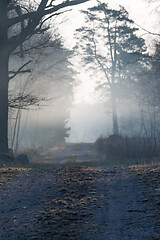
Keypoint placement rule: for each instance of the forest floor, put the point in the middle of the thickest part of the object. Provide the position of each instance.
(75, 199)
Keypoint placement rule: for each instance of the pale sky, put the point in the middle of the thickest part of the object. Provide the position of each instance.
(88, 120)
(143, 13)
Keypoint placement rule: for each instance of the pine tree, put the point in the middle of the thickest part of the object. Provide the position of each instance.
(109, 44)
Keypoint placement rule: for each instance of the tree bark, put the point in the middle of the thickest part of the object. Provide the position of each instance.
(114, 115)
(3, 101)
(4, 79)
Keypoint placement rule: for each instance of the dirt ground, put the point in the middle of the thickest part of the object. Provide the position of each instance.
(80, 203)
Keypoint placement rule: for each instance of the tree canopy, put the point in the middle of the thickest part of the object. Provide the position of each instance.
(19, 21)
(109, 44)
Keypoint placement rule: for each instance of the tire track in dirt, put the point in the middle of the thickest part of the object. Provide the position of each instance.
(80, 203)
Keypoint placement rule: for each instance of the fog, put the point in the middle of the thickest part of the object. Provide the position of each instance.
(69, 106)
(80, 119)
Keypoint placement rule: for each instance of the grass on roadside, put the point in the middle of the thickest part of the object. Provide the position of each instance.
(6, 174)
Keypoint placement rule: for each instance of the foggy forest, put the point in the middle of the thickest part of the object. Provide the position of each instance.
(79, 119)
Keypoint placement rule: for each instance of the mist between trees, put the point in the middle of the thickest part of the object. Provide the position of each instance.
(39, 73)
(24, 32)
(127, 78)
(43, 114)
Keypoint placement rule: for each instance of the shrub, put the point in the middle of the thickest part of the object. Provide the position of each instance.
(117, 146)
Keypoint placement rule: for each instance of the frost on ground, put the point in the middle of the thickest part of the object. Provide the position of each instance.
(81, 203)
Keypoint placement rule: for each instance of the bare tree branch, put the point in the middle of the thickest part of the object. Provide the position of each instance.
(34, 20)
(152, 33)
(19, 71)
(44, 12)
(98, 60)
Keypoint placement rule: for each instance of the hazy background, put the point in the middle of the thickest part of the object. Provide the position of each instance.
(81, 108)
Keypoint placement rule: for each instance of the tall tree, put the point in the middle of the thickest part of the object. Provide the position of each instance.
(109, 43)
(58, 86)
(30, 21)
(148, 94)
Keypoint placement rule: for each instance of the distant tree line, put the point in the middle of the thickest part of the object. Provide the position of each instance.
(128, 78)
(19, 22)
(125, 71)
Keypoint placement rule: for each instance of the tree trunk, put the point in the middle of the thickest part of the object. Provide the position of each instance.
(3, 101)
(4, 79)
(114, 115)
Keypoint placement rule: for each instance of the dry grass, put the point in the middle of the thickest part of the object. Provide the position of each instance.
(149, 175)
(6, 174)
(119, 147)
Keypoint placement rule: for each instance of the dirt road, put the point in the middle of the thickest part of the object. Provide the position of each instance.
(71, 153)
(79, 203)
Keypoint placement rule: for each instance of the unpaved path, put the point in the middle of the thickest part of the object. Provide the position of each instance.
(20, 199)
(77, 203)
(123, 215)
(72, 153)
